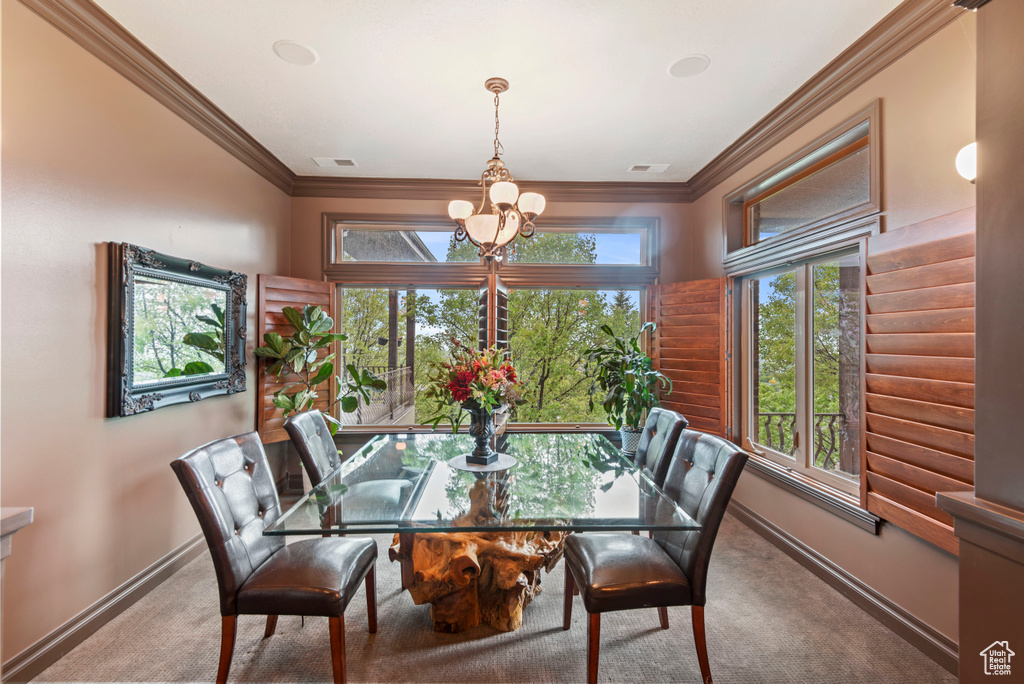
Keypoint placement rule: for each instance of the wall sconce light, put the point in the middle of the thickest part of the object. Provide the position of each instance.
(967, 161)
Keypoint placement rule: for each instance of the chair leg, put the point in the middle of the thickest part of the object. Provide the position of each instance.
(570, 588)
(227, 646)
(701, 642)
(337, 625)
(663, 616)
(271, 626)
(593, 646)
(371, 598)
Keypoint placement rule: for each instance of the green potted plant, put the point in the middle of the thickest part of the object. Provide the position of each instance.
(624, 374)
(295, 358)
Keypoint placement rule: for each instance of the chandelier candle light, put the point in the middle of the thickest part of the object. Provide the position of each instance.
(510, 214)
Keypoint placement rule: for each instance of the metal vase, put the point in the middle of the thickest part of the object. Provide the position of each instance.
(481, 428)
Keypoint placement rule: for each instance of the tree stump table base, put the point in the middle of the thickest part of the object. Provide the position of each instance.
(473, 577)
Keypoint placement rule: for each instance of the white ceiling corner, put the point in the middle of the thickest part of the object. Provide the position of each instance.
(399, 84)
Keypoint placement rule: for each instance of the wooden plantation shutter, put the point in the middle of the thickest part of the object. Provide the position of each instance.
(275, 293)
(919, 383)
(690, 348)
(493, 313)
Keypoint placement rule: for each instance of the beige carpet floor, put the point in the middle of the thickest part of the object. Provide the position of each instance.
(768, 620)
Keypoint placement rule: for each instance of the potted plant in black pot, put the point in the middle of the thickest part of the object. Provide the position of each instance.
(624, 374)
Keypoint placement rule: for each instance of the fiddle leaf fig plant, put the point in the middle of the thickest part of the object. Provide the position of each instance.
(625, 377)
(295, 357)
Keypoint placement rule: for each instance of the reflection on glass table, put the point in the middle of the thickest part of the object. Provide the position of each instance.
(401, 483)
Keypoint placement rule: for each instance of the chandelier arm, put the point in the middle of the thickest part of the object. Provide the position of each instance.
(483, 192)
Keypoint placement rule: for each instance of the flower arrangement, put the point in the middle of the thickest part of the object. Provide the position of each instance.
(471, 379)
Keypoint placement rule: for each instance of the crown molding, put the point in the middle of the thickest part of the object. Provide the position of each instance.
(439, 189)
(93, 29)
(898, 33)
(903, 29)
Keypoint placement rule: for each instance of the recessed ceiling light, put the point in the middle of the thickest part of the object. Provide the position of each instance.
(689, 66)
(296, 53)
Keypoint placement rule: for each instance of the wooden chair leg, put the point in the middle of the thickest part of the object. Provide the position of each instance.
(271, 626)
(227, 646)
(371, 598)
(593, 646)
(337, 625)
(570, 588)
(663, 616)
(701, 642)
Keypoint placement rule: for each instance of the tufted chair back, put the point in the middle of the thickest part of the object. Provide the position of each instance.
(312, 438)
(701, 477)
(229, 484)
(658, 440)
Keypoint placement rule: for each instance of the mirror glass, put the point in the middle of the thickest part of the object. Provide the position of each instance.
(179, 330)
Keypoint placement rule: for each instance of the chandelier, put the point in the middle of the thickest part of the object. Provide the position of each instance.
(510, 213)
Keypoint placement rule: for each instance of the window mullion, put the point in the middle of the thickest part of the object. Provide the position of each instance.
(804, 346)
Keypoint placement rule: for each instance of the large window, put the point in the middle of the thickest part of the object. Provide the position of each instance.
(796, 236)
(803, 331)
(562, 285)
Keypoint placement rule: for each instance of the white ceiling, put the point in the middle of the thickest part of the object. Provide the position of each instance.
(399, 84)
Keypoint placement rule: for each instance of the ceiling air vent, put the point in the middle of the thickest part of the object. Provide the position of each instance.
(648, 168)
(328, 161)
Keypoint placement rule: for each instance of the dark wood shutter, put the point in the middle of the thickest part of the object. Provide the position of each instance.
(275, 293)
(493, 313)
(690, 348)
(919, 382)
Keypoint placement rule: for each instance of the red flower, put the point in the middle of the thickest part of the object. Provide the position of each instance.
(459, 387)
(509, 371)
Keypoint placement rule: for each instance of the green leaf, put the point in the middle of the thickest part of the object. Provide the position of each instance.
(333, 424)
(275, 342)
(283, 401)
(201, 341)
(349, 404)
(198, 368)
(325, 372)
(294, 318)
(210, 321)
(173, 373)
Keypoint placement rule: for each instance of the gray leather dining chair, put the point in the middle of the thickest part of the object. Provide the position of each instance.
(657, 442)
(622, 572)
(231, 489)
(367, 500)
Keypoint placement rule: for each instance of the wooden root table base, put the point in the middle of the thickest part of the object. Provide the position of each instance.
(473, 577)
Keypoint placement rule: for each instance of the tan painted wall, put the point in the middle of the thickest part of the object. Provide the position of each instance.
(928, 99)
(88, 158)
(306, 224)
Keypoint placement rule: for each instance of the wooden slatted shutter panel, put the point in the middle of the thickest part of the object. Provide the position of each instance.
(493, 313)
(275, 293)
(920, 373)
(690, 348)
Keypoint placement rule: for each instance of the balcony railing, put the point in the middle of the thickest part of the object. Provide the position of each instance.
(776, 430)
(386, 405)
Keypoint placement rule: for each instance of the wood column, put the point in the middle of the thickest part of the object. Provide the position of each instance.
(990, 521)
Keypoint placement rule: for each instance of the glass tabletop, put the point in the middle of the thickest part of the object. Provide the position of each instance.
(412, 483)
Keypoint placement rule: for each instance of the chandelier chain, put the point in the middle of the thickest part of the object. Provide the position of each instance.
(498, 149)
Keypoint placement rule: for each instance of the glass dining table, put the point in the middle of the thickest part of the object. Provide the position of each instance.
(472, 540)
(571, 482)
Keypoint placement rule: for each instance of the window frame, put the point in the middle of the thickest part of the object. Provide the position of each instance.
(469, 275)
(736, 247)
(802, 460)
